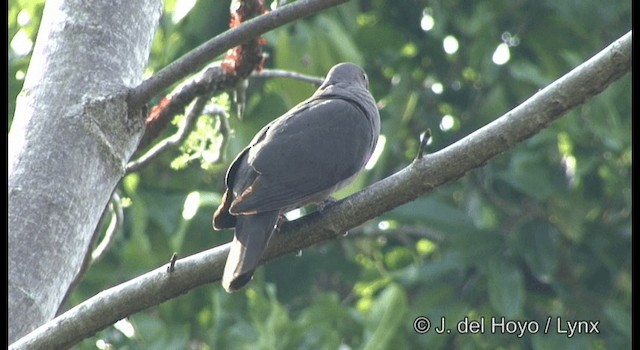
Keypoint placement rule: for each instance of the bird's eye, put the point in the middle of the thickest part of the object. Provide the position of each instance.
(366, 79)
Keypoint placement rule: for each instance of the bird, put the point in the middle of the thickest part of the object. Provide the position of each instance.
(300, 158)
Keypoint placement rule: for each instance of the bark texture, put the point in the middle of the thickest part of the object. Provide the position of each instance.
(69, 142)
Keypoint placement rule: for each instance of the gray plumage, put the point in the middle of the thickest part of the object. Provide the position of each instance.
(300, 158)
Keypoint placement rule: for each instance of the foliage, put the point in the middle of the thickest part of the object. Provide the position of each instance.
(541, 231)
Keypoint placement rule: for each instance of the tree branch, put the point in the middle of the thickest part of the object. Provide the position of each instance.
(238, 63)
(117, 218)
(176, 139)
(70, 137)
(420, 177)
(280, 73)
(221, 43)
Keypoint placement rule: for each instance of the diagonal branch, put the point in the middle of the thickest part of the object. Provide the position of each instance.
(221, 43)
(420, 177)
(434, 170)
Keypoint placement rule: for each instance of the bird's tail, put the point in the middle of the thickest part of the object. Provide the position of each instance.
(252, 235)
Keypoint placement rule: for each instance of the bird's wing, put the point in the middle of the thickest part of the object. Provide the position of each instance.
(306, 153)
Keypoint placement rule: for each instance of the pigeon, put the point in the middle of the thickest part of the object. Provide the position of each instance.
(298, 159)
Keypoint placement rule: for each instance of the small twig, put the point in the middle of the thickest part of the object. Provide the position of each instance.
(172, 263)
(280, 73)
(240, 97)
(177, 138)
(425, 138)
(114, 227)
(225, 132)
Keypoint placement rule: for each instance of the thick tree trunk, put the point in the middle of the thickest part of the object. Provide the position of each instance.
(71, 137)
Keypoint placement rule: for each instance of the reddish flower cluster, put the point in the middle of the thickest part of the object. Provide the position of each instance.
(243, 59)
(237, 65)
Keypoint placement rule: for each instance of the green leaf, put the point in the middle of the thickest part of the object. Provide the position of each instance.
(538, 243)
(342, 45)
(387, 314)
(435, 213)
(506, 288)
(326, 323)
(618, 315)
(270, 320)
(529, 174)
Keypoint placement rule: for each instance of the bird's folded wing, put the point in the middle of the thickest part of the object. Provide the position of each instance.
(305, 155)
